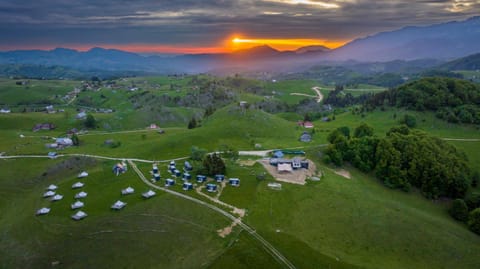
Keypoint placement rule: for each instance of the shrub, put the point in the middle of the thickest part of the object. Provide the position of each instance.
(474, 221)
(459, 210)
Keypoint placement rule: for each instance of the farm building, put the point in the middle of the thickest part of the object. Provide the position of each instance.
(188, 166)
(128, 190)
(169, 182)
(201, 178)
(305, 137)
(52, 187)
(211, 187)
(79, 215)
(187, 186)
(82, 174)
(148, 194)
(48, 194)
(219, 178)
(43, 126)
(118, 205)
(57, 197)
(284, 167)
(77, 205)
(43, 211)
(77, 185)
(234, 182)
(186, 176)
(80, 195)
(64, 141)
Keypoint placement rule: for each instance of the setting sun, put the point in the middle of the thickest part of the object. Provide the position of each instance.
(282, 44)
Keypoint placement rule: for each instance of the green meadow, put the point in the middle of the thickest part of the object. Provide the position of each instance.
(333, 223)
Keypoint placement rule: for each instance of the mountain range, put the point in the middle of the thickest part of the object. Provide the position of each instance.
(441, 42)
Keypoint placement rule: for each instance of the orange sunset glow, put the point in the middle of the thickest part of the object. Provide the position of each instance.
(282, 44)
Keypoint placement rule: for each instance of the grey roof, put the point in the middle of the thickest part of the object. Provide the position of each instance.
(79, 215)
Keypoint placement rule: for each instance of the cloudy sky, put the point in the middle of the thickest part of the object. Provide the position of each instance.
(211, 25)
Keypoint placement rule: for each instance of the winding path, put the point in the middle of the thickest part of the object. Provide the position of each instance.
(267, 246)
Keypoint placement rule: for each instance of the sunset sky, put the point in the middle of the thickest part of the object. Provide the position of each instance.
(211, 26)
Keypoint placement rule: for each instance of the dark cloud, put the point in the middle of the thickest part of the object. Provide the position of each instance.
(207, 22)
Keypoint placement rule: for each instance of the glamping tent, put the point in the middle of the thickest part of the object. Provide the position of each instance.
(187, 186)
(169, 182)
(82, 174)
(81, 194)
(234, 182)
(43, 211)
(77, 204)
(211, 187)
(128, 190)
(77, 185)
(48, 194)
(57, 197)
(201, 178)
(118, 205)
(219, 178)
(148, 194)
(79, 215)
(51, 187)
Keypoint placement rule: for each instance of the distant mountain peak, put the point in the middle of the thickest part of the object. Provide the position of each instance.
(312, 48)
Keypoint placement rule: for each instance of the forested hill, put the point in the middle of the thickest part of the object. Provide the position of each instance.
(454, 100)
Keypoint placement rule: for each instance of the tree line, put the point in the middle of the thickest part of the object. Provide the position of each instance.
(407, 158)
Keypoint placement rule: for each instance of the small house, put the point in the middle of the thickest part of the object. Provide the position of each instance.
(187, 176)
(78, 185)
(50, 109)
(128, 190)
(52, 155)
(234, 182)
(172, 163)
(201, 178)
(118, 205)
(211, 187)
(155, 169)
(177, 173)
(153, 126)
(43, 211)
(57, 197)
(52, 187)
(308, 124)
(5, 110)
(81, 116)
(219, 178)
(48, 194)
(43, 126)
(169, 182)
(80, 195)
(305, 137)
(156, 176)
(188, 166)
(148, 194)
(187, 186)
(79, 215)
(82, 174)
(77, 205)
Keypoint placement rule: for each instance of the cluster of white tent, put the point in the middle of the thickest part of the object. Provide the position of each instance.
(57, 197)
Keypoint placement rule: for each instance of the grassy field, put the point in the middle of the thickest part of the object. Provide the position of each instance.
(334, 223)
